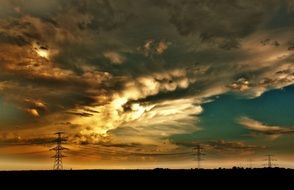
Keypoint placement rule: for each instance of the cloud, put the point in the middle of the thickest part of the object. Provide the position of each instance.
(211, 21)
(136, 71)
(82, 114)
(33, 112)
(241, 84)
(31, 141)
(153, 47)
(291, 46)
(261, 128)
(269, 42)
(220, 145)
(223, 145)
(114, 57)
(140, 122)
(222, 148)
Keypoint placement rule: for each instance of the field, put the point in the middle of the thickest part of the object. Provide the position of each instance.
(137, 179)
(158, 172)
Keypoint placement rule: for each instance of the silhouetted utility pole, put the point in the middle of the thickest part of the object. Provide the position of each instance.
(270, 161)
(199, 155)
(58, 152)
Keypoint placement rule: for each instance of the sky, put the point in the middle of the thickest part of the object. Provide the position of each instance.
(140, 84)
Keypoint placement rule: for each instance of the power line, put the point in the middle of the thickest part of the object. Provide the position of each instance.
(58, 152)
(199, 155)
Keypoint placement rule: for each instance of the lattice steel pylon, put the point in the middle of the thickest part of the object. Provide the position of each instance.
(199, 155)
(270, 161)
(58, 165)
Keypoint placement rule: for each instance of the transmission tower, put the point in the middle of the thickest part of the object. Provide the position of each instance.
(58, 152)
(270, 161)
(199, 155)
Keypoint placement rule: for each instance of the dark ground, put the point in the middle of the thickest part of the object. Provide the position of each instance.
(278, 177)
(158, 172)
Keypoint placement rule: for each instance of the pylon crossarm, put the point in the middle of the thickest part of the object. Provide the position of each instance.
(59, 148)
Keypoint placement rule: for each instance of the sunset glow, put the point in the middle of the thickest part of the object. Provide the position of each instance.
(140, 84)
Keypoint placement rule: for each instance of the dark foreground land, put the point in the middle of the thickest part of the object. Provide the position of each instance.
(278, 177)
(235, 172)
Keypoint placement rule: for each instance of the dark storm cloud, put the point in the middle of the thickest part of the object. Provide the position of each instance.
(98, 65)
(82, 114)
(32, 141)
(269, 42)
(291, 46)
(221, 145)
(180, 93)
(218, 22)
(18, 40)
(70, 125)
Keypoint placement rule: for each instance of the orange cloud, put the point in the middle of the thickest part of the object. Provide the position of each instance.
(33, 112)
